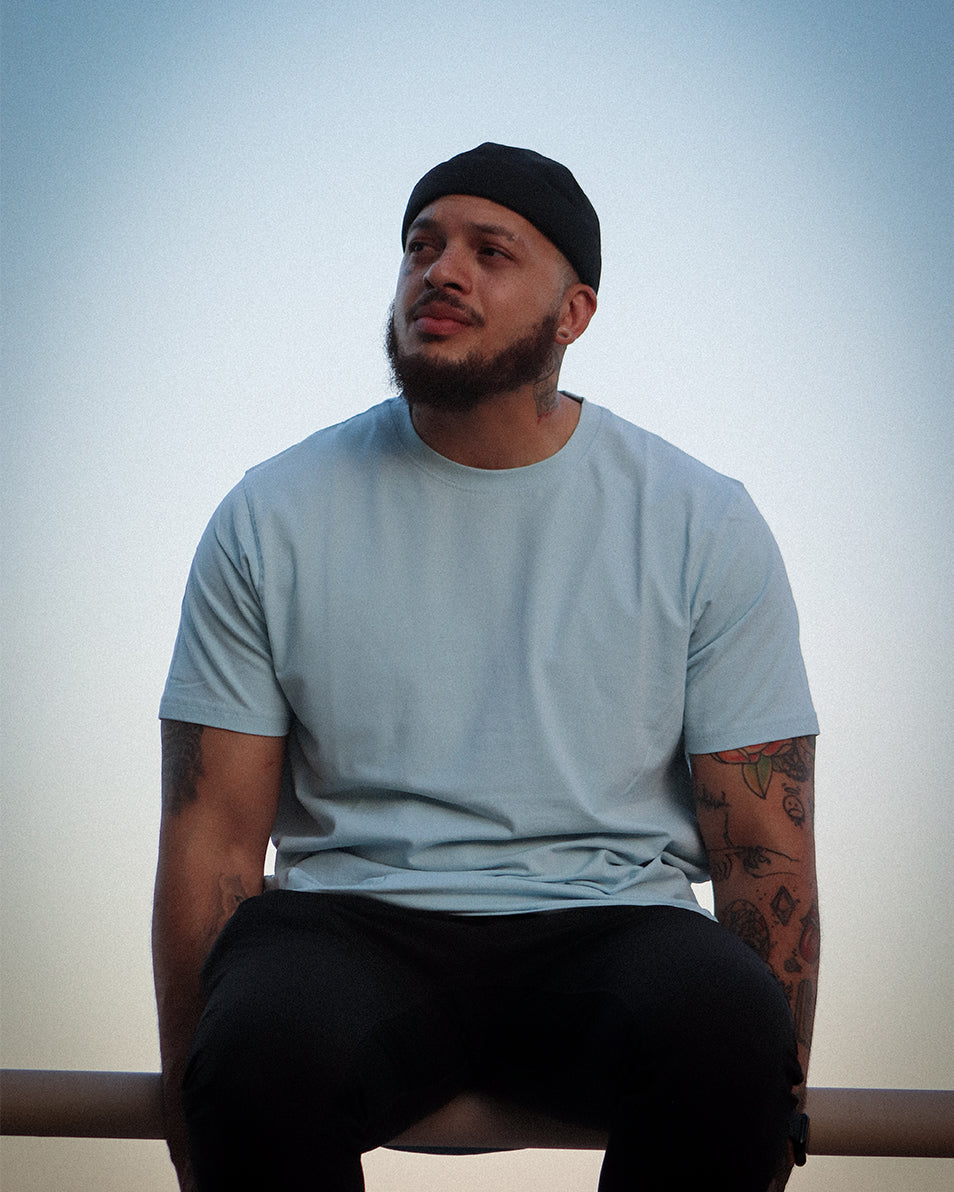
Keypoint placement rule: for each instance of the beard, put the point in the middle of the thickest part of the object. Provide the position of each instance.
(461, 385)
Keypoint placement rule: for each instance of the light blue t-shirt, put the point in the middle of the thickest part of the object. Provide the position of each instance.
(490, 680)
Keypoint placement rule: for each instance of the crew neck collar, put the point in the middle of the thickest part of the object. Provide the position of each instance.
(464, 476)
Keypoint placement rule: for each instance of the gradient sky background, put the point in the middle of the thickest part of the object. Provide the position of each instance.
(201, 215)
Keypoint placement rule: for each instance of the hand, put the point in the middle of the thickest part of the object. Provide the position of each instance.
(183, 1171)
(794, 1153)
(780, 1179)
(177, 1138)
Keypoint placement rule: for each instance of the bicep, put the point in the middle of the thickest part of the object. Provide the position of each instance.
(220, 785)
(755, 805)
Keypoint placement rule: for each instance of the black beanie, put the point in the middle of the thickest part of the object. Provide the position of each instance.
(544, 192)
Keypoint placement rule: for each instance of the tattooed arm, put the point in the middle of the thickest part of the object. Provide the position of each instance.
(756, 812)
(219, 796)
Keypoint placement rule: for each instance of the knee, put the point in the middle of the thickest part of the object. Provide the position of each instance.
(734, 1010)
(250, 1062)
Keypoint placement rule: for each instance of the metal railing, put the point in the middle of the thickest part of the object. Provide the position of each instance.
(60, 1104)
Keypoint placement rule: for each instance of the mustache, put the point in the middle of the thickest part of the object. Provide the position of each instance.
(446, 298)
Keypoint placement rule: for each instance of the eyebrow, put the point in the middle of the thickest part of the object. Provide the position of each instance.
(428, 224)
(495, 230)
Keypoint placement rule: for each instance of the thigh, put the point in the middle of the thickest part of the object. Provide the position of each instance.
(638, 998)
(315, 1033)
(663, 1028)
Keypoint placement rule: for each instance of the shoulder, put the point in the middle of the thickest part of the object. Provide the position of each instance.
(663, 472)
(284, 493)
(347, 443)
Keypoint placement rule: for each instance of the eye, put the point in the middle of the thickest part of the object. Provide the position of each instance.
(492, 251)
(419, 253)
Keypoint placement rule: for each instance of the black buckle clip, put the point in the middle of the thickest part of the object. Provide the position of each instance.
(799, 1137)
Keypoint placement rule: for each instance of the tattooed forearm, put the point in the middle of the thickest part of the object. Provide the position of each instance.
(755, 808)
(181, 764)
(784, 935)
(755, 860)
(783, 906)
(745, 920)
(804, 1011)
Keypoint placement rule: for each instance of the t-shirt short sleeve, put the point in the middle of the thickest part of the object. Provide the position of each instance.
(222, 673)
(745, 678)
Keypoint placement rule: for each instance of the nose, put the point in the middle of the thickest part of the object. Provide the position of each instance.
(449, 271)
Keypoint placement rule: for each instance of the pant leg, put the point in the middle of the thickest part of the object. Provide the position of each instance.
(661, 1026)
(316, 1044)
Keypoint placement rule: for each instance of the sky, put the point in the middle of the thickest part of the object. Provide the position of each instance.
(200, 238)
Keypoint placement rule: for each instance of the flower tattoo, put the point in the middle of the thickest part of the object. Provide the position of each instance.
(759, 763)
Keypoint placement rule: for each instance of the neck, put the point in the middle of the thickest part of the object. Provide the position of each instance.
(508, 430)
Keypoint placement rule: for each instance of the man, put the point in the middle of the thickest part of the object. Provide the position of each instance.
(502, 675)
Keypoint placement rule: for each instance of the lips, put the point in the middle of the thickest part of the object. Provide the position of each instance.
(440, 318)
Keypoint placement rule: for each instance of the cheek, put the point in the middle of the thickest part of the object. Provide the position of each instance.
(402, 300)
(408, 284)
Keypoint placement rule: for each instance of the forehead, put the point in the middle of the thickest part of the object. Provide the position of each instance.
(471, 213)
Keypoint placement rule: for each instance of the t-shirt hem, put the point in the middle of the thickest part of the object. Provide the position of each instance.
(226, 718)
(718, 740)
(452, 905)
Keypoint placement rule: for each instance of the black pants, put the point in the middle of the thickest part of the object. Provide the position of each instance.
(335, 1023)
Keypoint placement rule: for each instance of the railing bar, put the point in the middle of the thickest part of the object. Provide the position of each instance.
(845, 1121)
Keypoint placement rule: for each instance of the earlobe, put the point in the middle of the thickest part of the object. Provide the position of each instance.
(579, 308)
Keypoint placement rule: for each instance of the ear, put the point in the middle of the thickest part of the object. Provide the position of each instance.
(578, 307)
